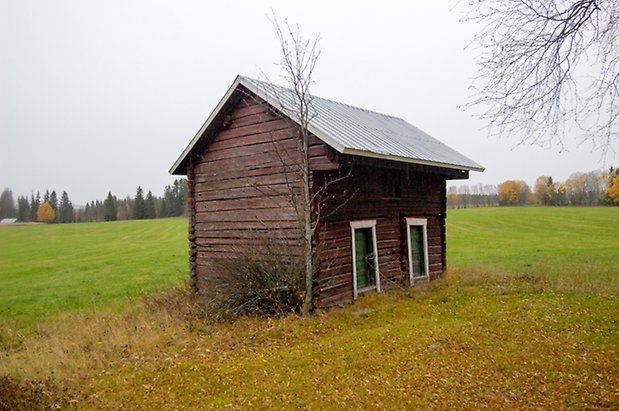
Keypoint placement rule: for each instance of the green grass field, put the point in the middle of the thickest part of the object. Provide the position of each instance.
(50, 269)
(576, 247)
(46, 270)
(526, 317)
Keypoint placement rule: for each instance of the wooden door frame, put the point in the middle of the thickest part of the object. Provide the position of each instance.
(423, 223)
(357, 225)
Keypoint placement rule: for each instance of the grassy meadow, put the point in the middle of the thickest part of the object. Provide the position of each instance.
(526, 317)
(47, 270)
(574, 247)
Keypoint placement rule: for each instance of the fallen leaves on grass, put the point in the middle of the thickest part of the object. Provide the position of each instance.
(18, 394)
(451, 344)
(464, 341)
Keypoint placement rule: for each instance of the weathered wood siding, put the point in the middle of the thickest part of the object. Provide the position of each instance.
(366, 195)
(245, 186)
(245, 180)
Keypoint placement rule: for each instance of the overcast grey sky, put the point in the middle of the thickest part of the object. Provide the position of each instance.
(104, 96)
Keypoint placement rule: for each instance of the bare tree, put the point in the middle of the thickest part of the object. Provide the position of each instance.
(548, 69)
(275, 274)
(298, 60)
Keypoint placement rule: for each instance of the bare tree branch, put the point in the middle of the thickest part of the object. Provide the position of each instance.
(321, 195)
(535, 69)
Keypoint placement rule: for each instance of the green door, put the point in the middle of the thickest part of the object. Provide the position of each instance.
(364, 258)
(417, 251)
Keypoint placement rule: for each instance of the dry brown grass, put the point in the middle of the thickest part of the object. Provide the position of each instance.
(469, 339)
(70, 349)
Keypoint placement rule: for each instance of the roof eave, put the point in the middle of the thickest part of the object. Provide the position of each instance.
(391, 157)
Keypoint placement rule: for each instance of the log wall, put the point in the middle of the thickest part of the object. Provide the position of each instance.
(245, 186)
(367, 195)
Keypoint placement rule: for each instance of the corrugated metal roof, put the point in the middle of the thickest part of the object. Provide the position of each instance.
(353, 130)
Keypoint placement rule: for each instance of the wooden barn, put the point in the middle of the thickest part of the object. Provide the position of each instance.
(380, 189)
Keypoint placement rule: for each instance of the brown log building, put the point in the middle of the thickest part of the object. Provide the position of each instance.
(378, 184)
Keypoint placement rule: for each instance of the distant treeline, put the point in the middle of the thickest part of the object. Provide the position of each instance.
(479, 195)
(580, 189)
(50, 209)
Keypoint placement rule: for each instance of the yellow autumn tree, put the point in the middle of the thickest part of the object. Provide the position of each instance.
(540, 190)
(45, 213)
(612, 187)
(514, 192)
(552, 192)
(545, 191)
(561, 198)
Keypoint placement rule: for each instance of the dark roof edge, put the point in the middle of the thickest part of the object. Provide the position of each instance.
(404, 159)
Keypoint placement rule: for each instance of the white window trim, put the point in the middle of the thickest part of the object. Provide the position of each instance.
(353, 226)
(416, 222)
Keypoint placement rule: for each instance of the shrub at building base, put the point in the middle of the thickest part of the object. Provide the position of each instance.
(267, 280)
